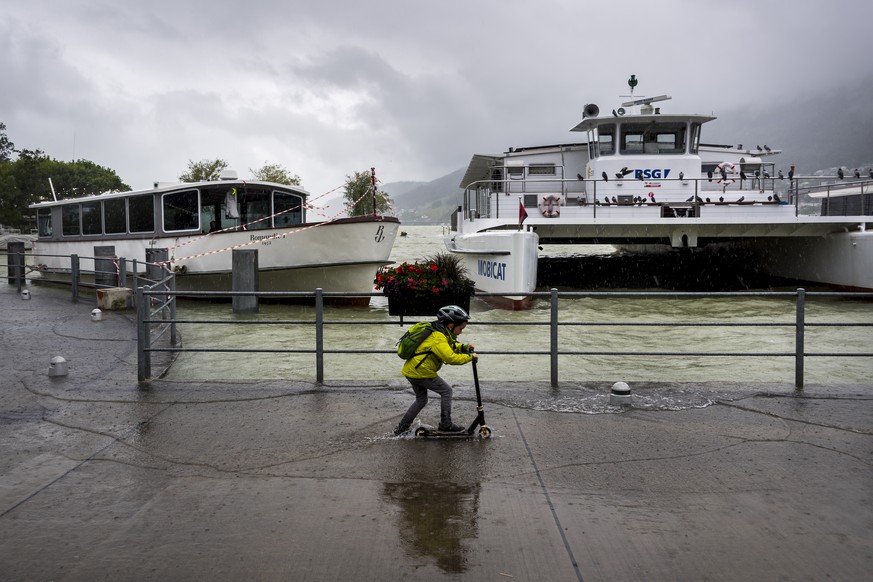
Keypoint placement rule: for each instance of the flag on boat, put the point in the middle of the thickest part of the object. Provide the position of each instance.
(522, 213)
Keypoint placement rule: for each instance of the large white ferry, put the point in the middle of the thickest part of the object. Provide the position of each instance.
(642, 179)
(201, 223)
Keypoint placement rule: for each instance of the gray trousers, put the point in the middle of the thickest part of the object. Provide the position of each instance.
(420, 386)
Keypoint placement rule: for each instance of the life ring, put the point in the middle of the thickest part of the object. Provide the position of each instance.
(724, 169)
(550, 206)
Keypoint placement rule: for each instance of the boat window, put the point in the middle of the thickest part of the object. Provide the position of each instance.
(288, 209)
(497, 179)
(254, 208)
(181, 211)
(91, 220)
(141, 210)
(653, 138)
(695, 138)
(70, 220)
(541, 170)
(632, 138)
(606, 140)
(44, 222)
(114, 216)
(515, 172)
(214, 214)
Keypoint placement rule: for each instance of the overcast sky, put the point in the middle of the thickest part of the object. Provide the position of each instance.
(326, 88)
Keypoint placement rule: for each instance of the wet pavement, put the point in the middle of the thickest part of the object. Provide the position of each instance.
(103, 479)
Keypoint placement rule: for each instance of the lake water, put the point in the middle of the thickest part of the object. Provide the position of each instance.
(577, 370)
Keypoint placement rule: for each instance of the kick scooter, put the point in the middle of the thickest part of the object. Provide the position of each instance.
(479, 421)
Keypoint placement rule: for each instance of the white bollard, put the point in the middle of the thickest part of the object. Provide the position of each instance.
(96, 315)
(25, 295)
(58, 366)
(620, 395)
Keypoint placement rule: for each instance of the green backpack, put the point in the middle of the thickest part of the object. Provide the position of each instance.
(409, 341)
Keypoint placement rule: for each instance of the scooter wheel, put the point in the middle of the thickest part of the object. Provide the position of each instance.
(484, 432)
(420, 431)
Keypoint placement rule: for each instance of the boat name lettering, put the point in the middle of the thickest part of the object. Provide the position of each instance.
(647, 174)
(492, 269)
(264, 238)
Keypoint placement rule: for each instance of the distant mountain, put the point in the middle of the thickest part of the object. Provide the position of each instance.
(396, 189)
(817, 132)
(823, 129)
(431, 202)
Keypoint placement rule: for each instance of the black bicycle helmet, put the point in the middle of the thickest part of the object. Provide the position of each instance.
(452, 314)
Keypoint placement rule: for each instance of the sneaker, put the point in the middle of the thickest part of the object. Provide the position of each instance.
(451, 427)
(400, 430)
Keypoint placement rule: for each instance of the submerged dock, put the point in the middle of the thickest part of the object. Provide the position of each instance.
(280, 480)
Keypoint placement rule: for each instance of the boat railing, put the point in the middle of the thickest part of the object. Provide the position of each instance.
(482, 198)
(550, 321)
(798, 191)
(832, 191)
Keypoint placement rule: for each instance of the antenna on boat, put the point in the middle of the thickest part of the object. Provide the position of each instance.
(52, 186)
(632, 82)
(373, 180)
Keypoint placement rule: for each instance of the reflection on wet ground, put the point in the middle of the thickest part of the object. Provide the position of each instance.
(435, 496)
(436, 520)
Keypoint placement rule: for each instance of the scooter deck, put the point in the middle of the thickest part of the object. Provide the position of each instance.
(441, 434)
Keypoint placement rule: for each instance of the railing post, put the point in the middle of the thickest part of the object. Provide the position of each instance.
(798, 338)
(74, 276)
(143, 363)
(319, 336)
(172, 301)
(122, 272)
(553, 338)
(15, 263)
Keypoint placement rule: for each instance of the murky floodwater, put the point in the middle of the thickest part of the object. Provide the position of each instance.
(591, 336)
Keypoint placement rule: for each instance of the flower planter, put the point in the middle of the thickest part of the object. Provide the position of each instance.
(421, 288)
(428, 305)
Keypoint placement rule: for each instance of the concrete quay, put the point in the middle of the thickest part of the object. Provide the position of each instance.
(101, 479)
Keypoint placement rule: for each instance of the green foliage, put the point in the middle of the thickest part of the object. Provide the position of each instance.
(203, 170)
(359, 196)
(275, 173)
(25, 181)
(7, 148)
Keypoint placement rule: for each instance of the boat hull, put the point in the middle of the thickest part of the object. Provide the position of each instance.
(843, 260)
(499, 262)
(341, 255)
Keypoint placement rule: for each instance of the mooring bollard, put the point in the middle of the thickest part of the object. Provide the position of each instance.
(244, 265)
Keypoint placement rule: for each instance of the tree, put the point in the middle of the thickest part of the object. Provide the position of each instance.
(7, 148)
(203, 170)
(359, 196)
(25, 181)
(275, 173)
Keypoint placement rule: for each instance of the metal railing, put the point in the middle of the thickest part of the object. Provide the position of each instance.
(155, 317)
(146, 318)
(106, 271)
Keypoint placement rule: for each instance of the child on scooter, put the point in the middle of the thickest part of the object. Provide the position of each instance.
(439, 347)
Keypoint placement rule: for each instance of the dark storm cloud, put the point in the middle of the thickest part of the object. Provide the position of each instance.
(414, 88)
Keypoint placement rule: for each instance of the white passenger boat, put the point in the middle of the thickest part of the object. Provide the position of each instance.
(200, 224)
(642, 179)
